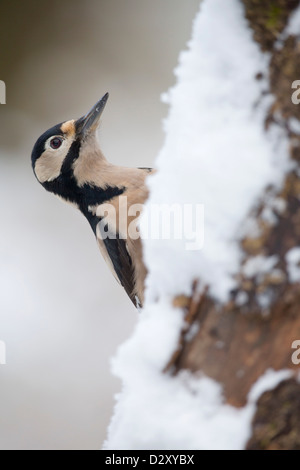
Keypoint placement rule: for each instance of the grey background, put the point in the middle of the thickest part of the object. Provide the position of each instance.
(62, 314)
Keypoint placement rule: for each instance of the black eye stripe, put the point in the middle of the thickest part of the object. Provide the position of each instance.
(73, 154)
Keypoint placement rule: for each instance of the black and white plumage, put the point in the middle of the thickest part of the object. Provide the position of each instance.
(68, 162)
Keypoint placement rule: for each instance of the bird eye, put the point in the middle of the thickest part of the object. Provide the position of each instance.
(55, 143)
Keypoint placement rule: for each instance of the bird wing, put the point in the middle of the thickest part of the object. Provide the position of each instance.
(115, 253)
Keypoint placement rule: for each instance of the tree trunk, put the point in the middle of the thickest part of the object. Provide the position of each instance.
(237, 344)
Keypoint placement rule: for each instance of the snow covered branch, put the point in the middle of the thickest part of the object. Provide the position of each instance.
(218, 325)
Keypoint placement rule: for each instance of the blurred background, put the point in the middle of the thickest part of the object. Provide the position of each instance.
(63, 316)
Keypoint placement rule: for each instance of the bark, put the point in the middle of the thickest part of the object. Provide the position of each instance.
(235, 345)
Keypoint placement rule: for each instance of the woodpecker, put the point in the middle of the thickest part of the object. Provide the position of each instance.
(67, 161)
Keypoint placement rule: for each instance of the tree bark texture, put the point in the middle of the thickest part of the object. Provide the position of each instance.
(236, 345)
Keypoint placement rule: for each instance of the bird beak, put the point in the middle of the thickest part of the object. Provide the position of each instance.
(90, 121)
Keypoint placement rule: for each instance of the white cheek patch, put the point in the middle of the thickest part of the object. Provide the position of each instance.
(48, 165)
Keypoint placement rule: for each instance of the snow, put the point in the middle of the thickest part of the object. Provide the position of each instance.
(294, 125)
(159, 412)
(259, 265)
(293, 264)
(217, 155)
(241, 298)
(216, 152)
(268, 381)
(292, 28)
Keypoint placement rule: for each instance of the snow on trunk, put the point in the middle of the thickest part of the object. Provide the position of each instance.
(217, 156)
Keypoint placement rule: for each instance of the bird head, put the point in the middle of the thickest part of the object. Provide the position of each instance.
(56, 151)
